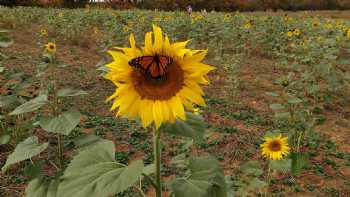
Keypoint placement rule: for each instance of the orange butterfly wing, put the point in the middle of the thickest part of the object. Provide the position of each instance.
(156, 66)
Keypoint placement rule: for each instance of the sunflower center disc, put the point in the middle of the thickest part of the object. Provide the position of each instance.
(159, 89)
(275, 146)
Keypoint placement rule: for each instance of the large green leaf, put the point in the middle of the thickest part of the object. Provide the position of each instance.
(281, 165)
(40, 187)
(206, 180)
(25, 150)
(63, 124)
(193, 127)
(70, 92)
(95, 173)
(31, 105)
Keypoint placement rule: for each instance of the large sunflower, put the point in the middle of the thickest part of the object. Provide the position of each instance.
(157, 100)
(275, 148)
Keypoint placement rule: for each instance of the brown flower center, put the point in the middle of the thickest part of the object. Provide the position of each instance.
(159, 89)
(275, 146)
(51, 47)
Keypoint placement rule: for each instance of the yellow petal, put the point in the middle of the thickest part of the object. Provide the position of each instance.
(158, 40)
(148, 49)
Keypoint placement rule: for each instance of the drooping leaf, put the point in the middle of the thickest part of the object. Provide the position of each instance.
(31, 105)
(30, 147)
(40, 187)
(66, 92)
(63, 124)
(194, 127)
(94, 172)
(206, 180)
(299, 162)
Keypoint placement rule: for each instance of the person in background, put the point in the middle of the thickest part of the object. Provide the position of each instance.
(189, 9)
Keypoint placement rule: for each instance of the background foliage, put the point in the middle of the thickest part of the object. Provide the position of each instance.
(218, 5)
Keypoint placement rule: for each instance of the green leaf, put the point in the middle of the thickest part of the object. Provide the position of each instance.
(299, 162)
(9, 102)
(295, 101)
(86, 141)
(251, 168)
(281, 165)
(94, 172)
(256, 183)
(5, 44)
(276, 106)
(4, 139)
(33, 170)
(206, 179)
(29, 148)
(62, 124)
(282, 115)
(274, 94)
(149, 169)
(31, 105)
(70, 92)
(2, 69)
(193, 127)
(40, 187)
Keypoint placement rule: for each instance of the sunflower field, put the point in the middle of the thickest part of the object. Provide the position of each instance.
(135, 103)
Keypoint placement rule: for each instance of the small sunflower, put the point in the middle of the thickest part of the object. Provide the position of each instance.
(289, 33)
(51, 47)
(157, 100)
(348, 33)
(44, 32)
(125, 29)
(60, 14)
(247, 25)
(275, 148)
(297, 32)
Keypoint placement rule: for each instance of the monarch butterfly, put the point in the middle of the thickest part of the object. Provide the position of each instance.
(156, 66)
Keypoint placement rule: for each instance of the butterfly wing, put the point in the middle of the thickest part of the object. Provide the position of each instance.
(143, 62)
(155, 66)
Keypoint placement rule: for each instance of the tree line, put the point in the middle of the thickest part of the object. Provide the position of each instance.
(218, 5)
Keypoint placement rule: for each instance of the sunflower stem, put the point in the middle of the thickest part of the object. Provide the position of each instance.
(157, 159)
(268, 181)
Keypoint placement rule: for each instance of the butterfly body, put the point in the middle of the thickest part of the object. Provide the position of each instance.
(154, 66)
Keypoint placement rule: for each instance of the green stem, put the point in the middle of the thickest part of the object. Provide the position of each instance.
(157, 154)
(268, 181)
(60, 150)
(299, 140)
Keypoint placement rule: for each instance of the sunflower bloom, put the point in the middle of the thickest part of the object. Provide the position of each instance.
(275, 148)
(348, 33)
(297, 32)
(50, 47)
(289, 33)
(44, 32)
(157, 100)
